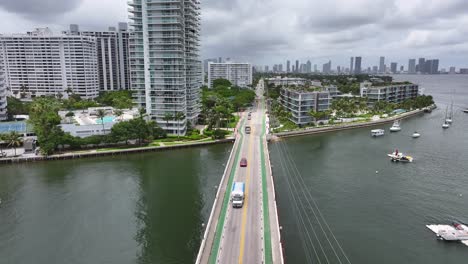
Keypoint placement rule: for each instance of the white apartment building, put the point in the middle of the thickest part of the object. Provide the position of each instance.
(3, 97)
(299, 101)
(113, 55)
(239, 74)
(392, 93)
(286, 81)
(42, 63)
(165, 67)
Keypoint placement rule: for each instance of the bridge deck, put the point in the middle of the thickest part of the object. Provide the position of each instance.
(249, 234)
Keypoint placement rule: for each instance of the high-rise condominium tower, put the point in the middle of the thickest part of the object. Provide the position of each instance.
(41, 63)
(357, 66)
(112, 53)
(165, 68)
(382, 64)
(351, 66)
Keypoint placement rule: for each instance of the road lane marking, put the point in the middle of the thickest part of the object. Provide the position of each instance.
(246, 199)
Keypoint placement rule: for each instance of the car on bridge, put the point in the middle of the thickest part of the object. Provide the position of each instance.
(243, 162)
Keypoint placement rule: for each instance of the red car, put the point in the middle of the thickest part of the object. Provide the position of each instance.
(243, 162)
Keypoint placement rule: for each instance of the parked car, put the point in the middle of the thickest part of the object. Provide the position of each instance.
(243, 162)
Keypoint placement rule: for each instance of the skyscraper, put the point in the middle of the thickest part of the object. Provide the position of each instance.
(280, 67)
(393, 67)
(164, 60)
(315, 67)
(113, 55)
(412, 66)
(357, 66)
(382, 65)
(351, 66)
(421, 65)
(288, 66)
(309, 67)
(326, 68)
(47, 64)
(297, 65)
(3, 96)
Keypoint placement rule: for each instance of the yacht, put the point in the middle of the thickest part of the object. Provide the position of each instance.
(416, 134)
(445, 125)
(377, 132)
(400, 157)
(396, 126)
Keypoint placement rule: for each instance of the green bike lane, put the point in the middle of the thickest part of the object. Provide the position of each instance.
(226, 199)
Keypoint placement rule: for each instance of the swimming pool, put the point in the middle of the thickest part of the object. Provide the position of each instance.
(106, 119)
(19, 127)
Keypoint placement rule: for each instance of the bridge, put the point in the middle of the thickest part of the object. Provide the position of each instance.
(250, 234)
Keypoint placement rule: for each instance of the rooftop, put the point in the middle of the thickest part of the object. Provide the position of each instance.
(304, 89)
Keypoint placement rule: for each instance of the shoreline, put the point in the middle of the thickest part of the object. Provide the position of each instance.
(322, 130)
(68, 156)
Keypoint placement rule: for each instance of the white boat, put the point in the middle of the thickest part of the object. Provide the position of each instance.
(449, 119)
(400, 157)
(396, 126)
(453, 232)
(465, 110)
(446, 124)
(416, 134)
(377, 132)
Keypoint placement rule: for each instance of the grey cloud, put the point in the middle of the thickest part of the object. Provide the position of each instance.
(40, 9)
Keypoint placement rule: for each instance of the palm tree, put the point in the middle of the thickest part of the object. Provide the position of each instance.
(69, 91)
(14, 140)
(101, 113)
(168, 117)
(2, 137)
(118, 113)
(179, 116)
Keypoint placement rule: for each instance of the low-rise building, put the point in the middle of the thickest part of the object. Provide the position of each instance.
(285, 81)
(239, 74)
(85, 123)
(389, 92)
(300, 101)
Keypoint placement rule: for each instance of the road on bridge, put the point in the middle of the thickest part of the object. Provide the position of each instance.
(249, 234)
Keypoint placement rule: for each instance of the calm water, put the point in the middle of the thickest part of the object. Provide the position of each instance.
(377, 217)
(145, 208)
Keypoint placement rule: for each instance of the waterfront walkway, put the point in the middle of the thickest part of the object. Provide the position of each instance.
(249, 234)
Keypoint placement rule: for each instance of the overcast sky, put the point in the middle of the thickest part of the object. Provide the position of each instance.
(271, 31)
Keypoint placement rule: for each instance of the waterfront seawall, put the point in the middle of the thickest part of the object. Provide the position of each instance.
(312, 131)
(110, 152)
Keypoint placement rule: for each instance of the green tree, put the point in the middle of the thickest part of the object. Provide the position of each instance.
(168, 117)
(45, 120)
(221, 82)
(14, 140)
(101, 113)
(179, 116)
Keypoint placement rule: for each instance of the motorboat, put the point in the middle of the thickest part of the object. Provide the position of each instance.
(396, 126)
(446, 123)
(400, 157)
(416, 134)
(465, 110)
(453, 232)
(377, 132)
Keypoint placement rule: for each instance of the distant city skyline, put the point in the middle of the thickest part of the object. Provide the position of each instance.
(398, 30)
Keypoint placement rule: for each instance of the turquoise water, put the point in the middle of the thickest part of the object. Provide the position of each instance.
(6, 127)
(106, 119)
